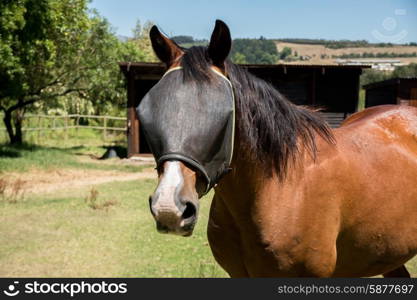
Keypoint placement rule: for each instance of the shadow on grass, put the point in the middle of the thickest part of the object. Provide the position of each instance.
(23, 157)
(121, 151)
(10, 153)
(15, 151)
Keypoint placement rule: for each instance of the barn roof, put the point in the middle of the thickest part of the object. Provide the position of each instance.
(155, 70)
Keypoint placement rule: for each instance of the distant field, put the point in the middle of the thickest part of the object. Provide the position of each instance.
(316, 51)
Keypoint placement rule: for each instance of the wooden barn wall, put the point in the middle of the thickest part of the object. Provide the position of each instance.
(338, 90)
(143, 86)
(381, 95)
(408, 90)
(330, 89)
(295, 87)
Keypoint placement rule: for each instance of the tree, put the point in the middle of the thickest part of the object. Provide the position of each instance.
(183, 39)
(405, 71)
(54, 53)
(254, 51)
(40, 43)
(285, 53)
(371, 75)
(142, 41)
(239, 58)
(105, 85)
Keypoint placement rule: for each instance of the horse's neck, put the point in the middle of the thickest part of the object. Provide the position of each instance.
(248, 184)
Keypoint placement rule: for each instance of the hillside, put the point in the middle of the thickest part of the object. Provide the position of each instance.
(310, 52)
(321, 55)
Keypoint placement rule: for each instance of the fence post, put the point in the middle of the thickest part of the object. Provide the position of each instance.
(53, 127)
(77, 123)
(66, 128)
(39, 130)
(105, 128)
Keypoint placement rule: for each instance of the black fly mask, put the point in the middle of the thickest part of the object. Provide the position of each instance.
(191, 122)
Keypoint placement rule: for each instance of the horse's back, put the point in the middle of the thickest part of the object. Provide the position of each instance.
(379, 149)
(385, 125)
(383, 114)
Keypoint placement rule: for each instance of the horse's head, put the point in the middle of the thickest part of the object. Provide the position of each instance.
(189, 125)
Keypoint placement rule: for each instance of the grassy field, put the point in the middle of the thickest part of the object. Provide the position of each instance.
(59, 234)
(92, 230)
(27, 157)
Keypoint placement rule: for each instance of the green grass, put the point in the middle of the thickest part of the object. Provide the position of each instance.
(60, 235)
(26, 157)
(361, 100)
(70, 138)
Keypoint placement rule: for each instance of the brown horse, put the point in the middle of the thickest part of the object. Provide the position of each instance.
(300, 199)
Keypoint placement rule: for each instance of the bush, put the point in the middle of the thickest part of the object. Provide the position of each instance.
(254, 51)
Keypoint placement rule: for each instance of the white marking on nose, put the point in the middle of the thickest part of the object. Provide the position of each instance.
(171, 181)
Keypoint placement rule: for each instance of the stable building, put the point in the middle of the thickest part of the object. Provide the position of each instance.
(401, 91)
(332, 88)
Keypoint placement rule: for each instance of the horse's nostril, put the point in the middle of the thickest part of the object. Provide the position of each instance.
(189, 211)
(162, 228)
(150, 206)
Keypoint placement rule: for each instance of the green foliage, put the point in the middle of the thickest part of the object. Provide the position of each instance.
(254, 51)
(182, 39)
(38, 37)
(370, 75)
(239, 58)
(286, 52)
(55, 54)
(405, 71)
(141, 44)
(375, 55)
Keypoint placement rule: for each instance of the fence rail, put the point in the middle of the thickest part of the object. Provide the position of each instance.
(71, 121)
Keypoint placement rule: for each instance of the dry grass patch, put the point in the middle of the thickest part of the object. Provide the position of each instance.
(38, 181)
(12, 191)
(93, 201)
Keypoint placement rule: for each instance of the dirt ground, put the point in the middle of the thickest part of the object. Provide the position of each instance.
(46, 181)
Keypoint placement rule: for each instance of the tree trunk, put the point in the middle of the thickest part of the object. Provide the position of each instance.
(18, 120)
(8, 123)
(15, 136)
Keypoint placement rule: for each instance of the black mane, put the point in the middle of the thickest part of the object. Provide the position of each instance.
(271, 127)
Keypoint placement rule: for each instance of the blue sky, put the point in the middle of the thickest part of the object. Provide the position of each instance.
(372, 20)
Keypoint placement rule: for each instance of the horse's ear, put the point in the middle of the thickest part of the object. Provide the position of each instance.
(166, 49)
(220, 44)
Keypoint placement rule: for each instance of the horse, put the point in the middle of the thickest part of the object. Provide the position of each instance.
(292, 197)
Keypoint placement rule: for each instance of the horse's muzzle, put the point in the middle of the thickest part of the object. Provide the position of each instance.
(178, 217)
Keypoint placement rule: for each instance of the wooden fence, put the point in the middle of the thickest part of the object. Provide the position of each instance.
(45, 123)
